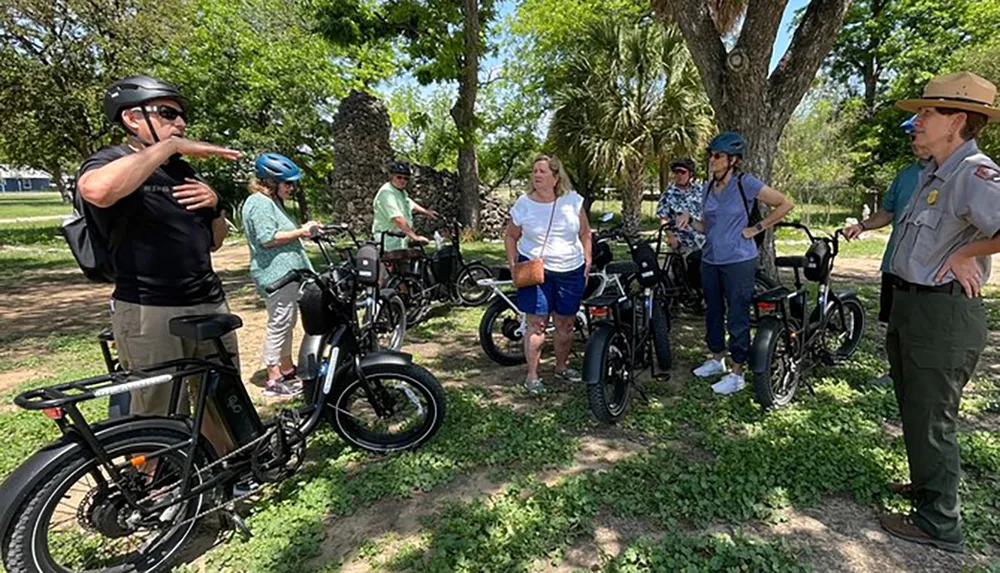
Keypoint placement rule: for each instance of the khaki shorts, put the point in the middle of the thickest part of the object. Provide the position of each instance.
(143, 339)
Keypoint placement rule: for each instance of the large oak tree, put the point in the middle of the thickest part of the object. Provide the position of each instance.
(747, 96)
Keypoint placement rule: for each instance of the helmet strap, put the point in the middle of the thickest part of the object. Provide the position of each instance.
(149, 124)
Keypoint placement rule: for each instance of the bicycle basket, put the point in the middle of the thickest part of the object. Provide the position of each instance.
(366, 262)
(318, 307)
(649, 268)
(819, 262)
(443, 264)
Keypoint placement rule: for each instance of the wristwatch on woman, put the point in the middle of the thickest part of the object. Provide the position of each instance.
(759, 227)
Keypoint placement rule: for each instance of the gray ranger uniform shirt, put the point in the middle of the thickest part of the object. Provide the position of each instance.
(954, 205)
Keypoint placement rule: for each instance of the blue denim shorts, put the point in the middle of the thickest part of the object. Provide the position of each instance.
(560, 294)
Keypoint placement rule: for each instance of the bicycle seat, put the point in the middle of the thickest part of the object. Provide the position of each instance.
(501, 273)
(402, 255)
(107, 335)
(603, 300)
(790, 262)
(204, 326)
(621, 268)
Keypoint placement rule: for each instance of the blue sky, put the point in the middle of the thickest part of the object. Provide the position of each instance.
(784, 34)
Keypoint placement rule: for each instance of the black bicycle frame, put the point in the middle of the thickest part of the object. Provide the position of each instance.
(802, 339)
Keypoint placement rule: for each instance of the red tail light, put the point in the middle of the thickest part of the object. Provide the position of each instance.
(767, 306)
(598, 312)
(54, 413)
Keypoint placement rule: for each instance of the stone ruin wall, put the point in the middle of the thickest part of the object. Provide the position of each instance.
(362, 151)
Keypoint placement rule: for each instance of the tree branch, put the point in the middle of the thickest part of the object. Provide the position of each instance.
(812, 41)
(703, 40)
(759, 31)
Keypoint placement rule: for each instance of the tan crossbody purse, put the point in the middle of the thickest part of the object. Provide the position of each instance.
(531, 273)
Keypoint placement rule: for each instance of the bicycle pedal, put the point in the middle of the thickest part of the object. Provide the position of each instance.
(237, 524)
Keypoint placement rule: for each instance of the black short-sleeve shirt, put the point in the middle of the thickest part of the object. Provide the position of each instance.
(164, 258)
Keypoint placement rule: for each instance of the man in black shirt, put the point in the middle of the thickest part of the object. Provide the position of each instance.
(168, 224)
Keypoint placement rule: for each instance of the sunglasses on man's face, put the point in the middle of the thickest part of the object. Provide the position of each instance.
(680, 171)
(166, 112)
(717, 155)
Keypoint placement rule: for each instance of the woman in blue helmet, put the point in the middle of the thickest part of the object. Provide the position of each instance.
(729, 258)
(276, 248)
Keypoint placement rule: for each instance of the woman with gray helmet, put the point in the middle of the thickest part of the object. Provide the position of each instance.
(729, 258)
(275, 249)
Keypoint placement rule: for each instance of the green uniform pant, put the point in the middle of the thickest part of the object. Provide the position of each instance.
(934, 341)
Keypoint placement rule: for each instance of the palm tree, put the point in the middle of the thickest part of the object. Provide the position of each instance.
(630, 99)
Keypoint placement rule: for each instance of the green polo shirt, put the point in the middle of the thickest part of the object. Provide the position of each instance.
(389, 203)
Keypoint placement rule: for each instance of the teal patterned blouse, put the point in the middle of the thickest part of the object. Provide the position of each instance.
(262, 218)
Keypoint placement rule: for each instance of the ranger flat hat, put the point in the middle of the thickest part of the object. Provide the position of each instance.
(963, 90)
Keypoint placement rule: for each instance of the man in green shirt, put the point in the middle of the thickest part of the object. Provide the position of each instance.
(394, 209)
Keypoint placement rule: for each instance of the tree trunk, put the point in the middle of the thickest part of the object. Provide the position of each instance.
(57, 178)
(464, 114)
(664, 174)
(632, 201)
(745, 98)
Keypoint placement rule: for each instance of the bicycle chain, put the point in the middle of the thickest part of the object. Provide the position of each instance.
(233, 501)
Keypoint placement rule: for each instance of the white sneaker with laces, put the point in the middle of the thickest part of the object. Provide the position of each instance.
(710, 368)
(730, 384)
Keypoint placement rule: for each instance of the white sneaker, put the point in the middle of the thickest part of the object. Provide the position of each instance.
(730, 384)
(710, 368)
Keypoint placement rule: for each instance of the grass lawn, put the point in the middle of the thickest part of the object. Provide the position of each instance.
(16, 205)
(688, 482)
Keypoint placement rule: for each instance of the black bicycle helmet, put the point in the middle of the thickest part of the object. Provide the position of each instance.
(135, 91)
(684, 163)
(399, 168)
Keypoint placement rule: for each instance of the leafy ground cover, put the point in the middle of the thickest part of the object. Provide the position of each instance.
(689, 482)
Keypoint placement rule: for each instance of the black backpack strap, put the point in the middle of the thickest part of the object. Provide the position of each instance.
(117, 235)
(739, 183)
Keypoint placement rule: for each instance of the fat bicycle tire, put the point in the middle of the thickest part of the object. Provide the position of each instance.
(27, 549)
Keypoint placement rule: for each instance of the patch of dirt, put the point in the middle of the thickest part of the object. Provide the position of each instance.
(400, 518)
(842, 536)
(13, 378)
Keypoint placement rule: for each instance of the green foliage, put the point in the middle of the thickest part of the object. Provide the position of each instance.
(288, 529)
(706, 553)
(422, 129)
(57, 60)
(259, 80)
(509, 532)
(814, 162)
(429, 33)
(886, 51)
(982, 59)
(630, 99)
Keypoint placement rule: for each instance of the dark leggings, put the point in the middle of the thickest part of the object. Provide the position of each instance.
(728, 287)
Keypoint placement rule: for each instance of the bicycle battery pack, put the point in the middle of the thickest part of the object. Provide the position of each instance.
(232, 405)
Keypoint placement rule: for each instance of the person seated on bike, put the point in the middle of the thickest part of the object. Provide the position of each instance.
(394, 209)
(729, 257)
(168, 221)
(550, 222)
(275, 249)
(683, 196)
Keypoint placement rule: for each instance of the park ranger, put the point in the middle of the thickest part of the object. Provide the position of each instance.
(937, 327)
